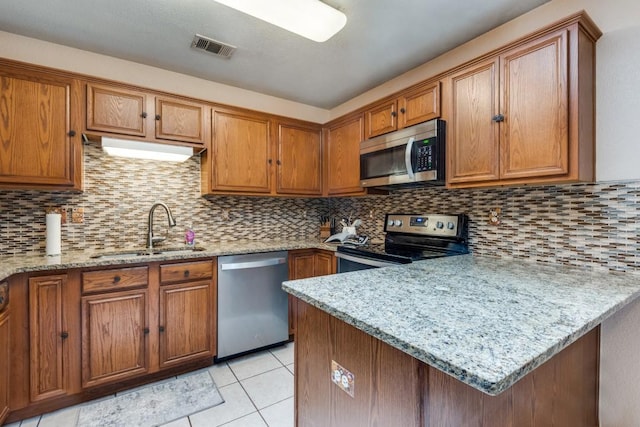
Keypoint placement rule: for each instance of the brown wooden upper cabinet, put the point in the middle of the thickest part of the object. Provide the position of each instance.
(253, 153)
(413, 106)
(40, 144)
(299, 160)
(126, 112)
(342, 157)
(526, 114)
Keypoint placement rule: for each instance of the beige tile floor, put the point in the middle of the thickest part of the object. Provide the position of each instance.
(257, 389)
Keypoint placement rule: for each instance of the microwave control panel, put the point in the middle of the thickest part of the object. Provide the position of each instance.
(425, 154)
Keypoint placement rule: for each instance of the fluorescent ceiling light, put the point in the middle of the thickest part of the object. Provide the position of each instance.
(308, 18)
(145, 150)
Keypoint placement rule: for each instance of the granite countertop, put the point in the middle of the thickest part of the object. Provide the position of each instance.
(79, 259)
(487, 322)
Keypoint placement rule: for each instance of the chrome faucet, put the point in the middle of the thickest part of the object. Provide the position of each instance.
(172, 223)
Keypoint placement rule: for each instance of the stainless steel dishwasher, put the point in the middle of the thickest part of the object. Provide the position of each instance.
(252, 307)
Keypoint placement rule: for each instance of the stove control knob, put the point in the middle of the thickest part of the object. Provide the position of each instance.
(390, 223)
(451, 225)
(397, 223)
(440, 225)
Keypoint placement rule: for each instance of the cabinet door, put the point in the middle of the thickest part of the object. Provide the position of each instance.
(343, 157)
(114, 337)
(301, 266)
(381, 119)
(186, 328)
(534, 97)
(48, 333)
(5, 346)
(241, 159)
(115, 110)
(325, 263)
(299, 160)
(180, 120)
(473, 137)
(38, 115)
(419, 106)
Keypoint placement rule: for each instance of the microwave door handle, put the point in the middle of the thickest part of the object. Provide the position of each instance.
(407, 158)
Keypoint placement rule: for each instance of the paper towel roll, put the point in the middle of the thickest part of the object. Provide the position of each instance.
(54, 240)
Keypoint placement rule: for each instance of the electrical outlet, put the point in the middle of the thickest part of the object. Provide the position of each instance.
(225, 215)
(495, 217)
(77, 215)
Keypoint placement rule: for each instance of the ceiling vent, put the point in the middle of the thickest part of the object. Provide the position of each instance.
(212, 46)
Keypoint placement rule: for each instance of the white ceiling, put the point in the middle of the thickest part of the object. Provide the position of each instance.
(381, 39)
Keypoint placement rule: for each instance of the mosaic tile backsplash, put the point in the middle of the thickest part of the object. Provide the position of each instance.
(596, 225)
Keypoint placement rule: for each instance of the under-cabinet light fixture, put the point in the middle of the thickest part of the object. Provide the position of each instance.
(312, 19)
(145, 150)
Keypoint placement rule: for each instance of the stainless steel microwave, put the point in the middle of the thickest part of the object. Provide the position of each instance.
(410, 157)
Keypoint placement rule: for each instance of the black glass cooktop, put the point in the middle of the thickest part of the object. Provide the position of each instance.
(399, 255)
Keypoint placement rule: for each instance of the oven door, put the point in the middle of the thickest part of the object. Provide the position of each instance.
(348, 262)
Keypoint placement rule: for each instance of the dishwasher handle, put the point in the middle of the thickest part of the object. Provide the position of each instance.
(253, 264)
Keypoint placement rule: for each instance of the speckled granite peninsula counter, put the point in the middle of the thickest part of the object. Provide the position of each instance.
(486, 322)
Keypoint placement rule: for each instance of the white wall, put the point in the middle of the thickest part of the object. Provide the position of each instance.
(65, 58)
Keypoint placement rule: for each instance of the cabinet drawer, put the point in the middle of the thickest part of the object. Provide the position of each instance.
(121, 278)
(172, 273)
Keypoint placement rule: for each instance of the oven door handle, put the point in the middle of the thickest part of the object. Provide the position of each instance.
(407, 158)
(364, 261)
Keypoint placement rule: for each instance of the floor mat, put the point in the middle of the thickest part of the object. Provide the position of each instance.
(154, 404)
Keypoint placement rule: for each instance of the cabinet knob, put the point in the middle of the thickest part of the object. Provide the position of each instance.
(498, 118)
(64, 335)
(143, 115)
(72, 133)
(116, 279)
(270, 161)
(402, 110)
(1, 300)
(186, 273)
(161, 328)
(146, 331)
(278, 162)
(393, 114)
(157, 116)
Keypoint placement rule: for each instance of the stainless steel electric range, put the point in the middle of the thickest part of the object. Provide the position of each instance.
(408, 238)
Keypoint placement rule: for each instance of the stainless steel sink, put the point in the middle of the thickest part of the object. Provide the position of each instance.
(145, 252)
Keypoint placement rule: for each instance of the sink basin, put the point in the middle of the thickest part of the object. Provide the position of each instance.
(146, 252)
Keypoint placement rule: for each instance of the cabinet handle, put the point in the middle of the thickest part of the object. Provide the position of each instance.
(278, 162)
(157, 116)
(1, 300)
(143, 115)
(161, 328)
(402, 110)
(270, 161)
(393, 114)
(186, 273)
(498, 118)
(72, 133)
(64, 335)
(146, 331)
(116, 279)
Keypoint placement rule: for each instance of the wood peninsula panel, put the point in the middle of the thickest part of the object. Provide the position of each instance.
(395, 389)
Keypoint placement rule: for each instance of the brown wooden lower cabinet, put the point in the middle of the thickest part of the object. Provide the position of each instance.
(392, 388)
(306, 263)
(4, 365)
(114, 336)
(79, 334)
